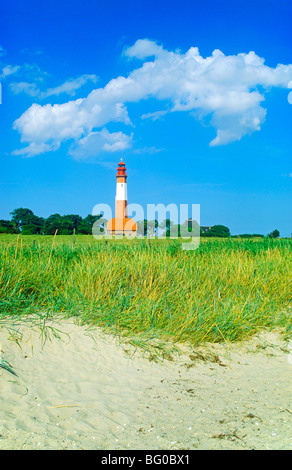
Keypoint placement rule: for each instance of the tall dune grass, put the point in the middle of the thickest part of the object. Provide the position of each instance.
(226, 290)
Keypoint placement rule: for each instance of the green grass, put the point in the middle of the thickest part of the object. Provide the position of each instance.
(226, 290)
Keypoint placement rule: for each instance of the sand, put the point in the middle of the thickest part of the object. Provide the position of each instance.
(86, 390)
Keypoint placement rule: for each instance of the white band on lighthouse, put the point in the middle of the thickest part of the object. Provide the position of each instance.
(121, 192)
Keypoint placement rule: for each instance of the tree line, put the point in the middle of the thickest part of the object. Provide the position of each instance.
(24, 221)
(168, 228)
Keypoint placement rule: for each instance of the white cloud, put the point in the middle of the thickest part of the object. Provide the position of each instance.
(24, 87)
(144, 48)
(229, 89)
(69, 87)
(290, 94)
(147, 150)
(9, 70)
(96, 142)
(34, 149)
(72, 120)
(155, 116)
(26, 71)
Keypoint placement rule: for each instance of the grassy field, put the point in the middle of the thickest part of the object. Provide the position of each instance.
(226, 290)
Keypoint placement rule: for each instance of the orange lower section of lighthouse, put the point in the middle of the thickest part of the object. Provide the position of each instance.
(122, 227)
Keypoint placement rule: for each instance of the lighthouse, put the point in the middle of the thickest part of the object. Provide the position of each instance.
(121, 224)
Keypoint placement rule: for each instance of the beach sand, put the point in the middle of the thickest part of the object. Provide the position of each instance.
(88, 390)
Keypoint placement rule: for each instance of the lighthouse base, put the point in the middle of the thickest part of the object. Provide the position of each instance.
(126, 226)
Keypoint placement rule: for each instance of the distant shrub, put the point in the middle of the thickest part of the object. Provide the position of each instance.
(249, 235)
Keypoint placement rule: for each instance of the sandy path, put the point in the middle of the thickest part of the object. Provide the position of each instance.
(86, 392)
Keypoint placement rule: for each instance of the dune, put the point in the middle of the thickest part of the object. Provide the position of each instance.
(88, 390)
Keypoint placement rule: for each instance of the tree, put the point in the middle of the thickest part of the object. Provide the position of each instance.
(218, 231)
(166, 225)
(152, 228)
(142, 227)
(85, 226)
(25, 220)
(55, 222)
(34, 228)
(21, 217)
(274, 234)
(6, 226)
(74, 219)
(147, 227)
(189, 228)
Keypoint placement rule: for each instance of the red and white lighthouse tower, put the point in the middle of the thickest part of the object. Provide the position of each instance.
(121, 192)
(121, 224)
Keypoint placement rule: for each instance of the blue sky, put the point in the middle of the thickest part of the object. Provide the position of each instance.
(194, 95)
